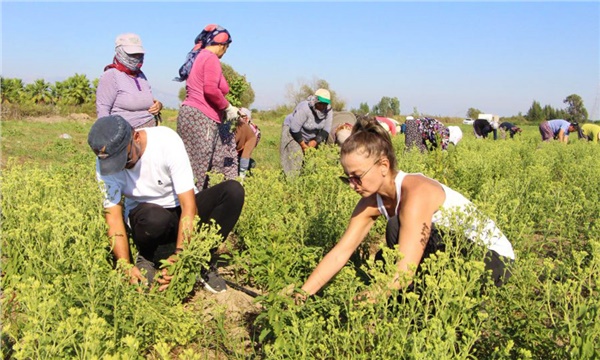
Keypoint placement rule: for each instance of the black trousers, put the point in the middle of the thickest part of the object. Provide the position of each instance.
(493, 261)
(154, 228)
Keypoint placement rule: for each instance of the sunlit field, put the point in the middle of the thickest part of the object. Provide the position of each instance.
(62, 297)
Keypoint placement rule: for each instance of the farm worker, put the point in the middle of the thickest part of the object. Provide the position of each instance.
(511, 128)
(246, 139)
(590, 132)
(557, 129)
(123, 88)
(206, 117)
(341, 126)
(150, 168)
(455, 134)
(426, 134)
(412, 136)
(306, 127)
(417, 208)
(482, 127)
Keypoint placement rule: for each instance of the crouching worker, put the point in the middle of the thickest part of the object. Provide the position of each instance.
(414, 205)
(306, 127)
(151, 169)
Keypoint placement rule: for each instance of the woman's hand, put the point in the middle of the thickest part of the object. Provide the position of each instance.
(155, 108)
(312, 143)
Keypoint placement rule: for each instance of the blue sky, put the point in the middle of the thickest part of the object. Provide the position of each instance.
(440, 57)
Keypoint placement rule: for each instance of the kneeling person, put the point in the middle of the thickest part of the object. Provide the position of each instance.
(151, 169)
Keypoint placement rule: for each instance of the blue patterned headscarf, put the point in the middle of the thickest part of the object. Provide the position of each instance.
(211, 35)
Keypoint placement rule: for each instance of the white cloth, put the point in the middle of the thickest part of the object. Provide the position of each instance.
(455, 134)
(458, 210)
(161, 173)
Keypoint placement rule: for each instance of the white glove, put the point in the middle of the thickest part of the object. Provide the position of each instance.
(231, 113)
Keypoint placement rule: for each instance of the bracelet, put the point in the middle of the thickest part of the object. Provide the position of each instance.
(177, 251)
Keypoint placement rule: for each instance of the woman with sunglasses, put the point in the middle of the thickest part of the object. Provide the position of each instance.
(415, 207)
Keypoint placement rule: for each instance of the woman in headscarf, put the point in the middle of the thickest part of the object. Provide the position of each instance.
(307, 127)
(427, 134)
(123, 88)
(206, 116)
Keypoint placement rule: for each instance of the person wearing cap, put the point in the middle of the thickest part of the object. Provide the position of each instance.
(590, 132)
(306, 127)
(557, 129)
(511, 128)
(123, 89)
(149, 167)
(246, 139)
(206, 117)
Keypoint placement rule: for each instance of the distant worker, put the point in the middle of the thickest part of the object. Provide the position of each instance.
(482, 128)
(557, 129)
(341, 127)
(426, 134)
(306, 127)
(246, 139)
(512, 129)
(590, 132)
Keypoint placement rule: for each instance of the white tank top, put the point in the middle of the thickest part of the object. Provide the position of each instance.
(457, 210)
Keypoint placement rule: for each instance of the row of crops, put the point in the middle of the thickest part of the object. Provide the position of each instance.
(62, 297)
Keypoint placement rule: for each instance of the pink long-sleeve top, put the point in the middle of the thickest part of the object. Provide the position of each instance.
(206, 86)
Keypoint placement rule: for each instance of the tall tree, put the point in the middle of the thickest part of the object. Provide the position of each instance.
(306, 89)
(550, 113)
(535, 113)
(575, 109)
(240, 91)
(12, 90)
(363, 109)
(75, 90)
(387, 106)
(473, 113)
(38, 92)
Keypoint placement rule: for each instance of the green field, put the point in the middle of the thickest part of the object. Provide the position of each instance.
(61, 297)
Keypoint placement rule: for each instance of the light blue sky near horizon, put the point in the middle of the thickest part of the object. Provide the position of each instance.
(438, 57)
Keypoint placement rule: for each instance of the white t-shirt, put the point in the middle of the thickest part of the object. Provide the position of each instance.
(161, 173)
(458, 210)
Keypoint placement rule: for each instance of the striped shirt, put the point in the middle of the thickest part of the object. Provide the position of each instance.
(120, 94)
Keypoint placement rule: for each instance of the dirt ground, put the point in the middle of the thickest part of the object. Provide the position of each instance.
(77, 117)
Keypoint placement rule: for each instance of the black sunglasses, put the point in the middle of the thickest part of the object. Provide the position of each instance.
(355, 179)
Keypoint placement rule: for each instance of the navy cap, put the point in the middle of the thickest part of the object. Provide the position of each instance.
(109, 137)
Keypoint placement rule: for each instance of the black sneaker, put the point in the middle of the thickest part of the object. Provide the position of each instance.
(212, 281)
(146, 267)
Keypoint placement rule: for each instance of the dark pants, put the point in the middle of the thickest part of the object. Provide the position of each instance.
(154, 228)
(492, 260)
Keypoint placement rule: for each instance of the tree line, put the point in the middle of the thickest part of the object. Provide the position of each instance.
(79, 90)
(574, 112)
